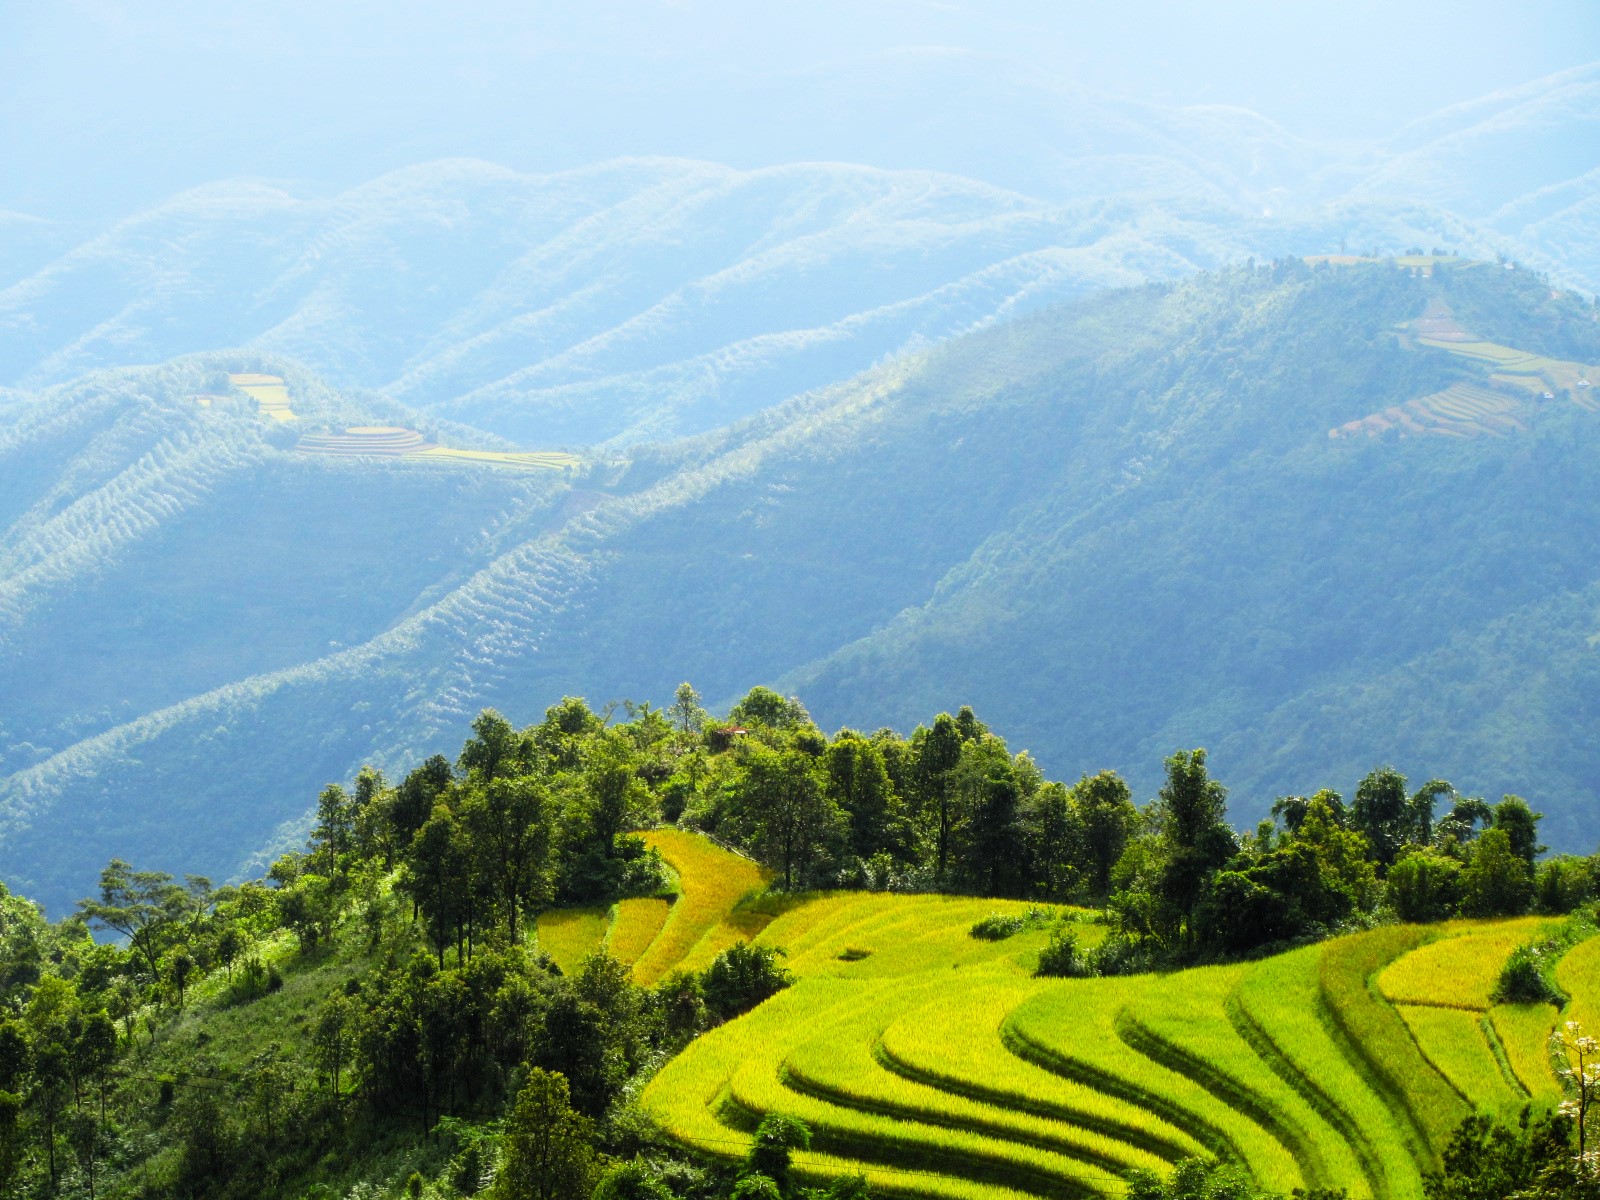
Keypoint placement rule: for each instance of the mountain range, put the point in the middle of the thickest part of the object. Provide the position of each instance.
(1133, 522)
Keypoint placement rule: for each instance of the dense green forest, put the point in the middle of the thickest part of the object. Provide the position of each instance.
(376, 1015)
(1114, 527)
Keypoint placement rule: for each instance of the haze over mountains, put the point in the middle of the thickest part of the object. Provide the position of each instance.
(796, 305)
(1117, 527)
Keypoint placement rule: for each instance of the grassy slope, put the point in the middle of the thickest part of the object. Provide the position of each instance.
(909, 1046)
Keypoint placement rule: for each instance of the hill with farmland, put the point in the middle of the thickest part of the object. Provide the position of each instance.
(1271, 511)
(852, 963)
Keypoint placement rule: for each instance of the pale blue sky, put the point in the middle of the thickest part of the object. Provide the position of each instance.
(106, 104)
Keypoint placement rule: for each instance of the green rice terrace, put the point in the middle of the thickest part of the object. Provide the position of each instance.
(271, 396)
(1514, 383)
(936, 1064)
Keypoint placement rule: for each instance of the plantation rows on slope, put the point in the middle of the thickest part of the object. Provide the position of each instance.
(935, 1064)
(1115, 528)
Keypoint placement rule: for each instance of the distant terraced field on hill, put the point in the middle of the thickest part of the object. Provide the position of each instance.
(394, 441)
(935, 1064)
(1499, 405)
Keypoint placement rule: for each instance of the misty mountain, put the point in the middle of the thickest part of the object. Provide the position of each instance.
(635, 300)
(1118, 526)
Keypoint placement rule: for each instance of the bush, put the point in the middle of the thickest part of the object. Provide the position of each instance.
(1061, 959)
(999, 926)
(1523, 980)
(741, 978)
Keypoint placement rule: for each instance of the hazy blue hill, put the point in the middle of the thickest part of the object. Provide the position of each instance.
(646, 299)
(1117, 527)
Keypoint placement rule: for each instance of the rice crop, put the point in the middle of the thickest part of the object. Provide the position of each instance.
(1279, 1008)
(635, 926)
(955, 1043)
(1523, 1031)
(1075, 1029)
(1190, 1032)
(569, 935)
(757, 1087)
(535, 460)
(268, 391)
(693, 1099)
(1453, 1042)
(908, 1045)
(1461, 968)
(712, 881)
(1578, 973)
(1369, 1029)
(842, 1066)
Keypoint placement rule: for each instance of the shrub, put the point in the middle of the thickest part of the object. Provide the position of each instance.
(1060, 958)
(741, 978)
(1424, 886)
(1523, 980)
(999, 926)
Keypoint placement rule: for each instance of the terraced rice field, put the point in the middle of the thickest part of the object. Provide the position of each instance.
(569, 935)
(937, 1065)
(1471, 410)
(268, 391)
(634, 925)
(532, 460)
(1460, 410)
(389, 441)
(702, 921)
(395, 441)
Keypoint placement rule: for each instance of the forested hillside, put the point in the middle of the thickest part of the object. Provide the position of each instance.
(1115, 526)
(530, 972)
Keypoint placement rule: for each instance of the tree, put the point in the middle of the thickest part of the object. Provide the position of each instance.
(776, 1138)
(1189, 813)
(140, 905)
(856, 781)
(993, 834)
(1108, 818)
(1422, 805)
(416, 796)
(1577, 1057)
(576, 1041)
(1424, 885)
(330, 1037)
(686, 712)
(790, 818)
(547, 1146)
(180, 967)
(937, 755)
(763, 707)
(1521, 826)
(1497, 883)
(1054, 837)
(509, 824)
(334, 833)
(1383, 812)
(1461, 824)
(494, 750)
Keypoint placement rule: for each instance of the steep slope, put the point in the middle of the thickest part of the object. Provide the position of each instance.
(1118, 527)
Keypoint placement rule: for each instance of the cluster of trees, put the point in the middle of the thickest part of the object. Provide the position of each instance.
(443, 1020)
(949, 808)
(1188, 886)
